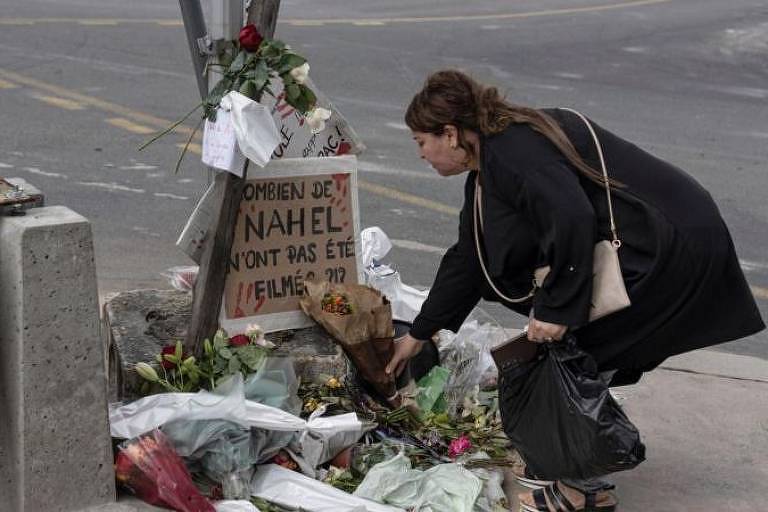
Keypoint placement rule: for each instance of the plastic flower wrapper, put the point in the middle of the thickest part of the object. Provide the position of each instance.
(150, 468)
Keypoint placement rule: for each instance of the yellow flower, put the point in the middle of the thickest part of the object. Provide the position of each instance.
(311, 404)
(333, 383)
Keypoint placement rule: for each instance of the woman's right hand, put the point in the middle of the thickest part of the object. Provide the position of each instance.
(405, 348)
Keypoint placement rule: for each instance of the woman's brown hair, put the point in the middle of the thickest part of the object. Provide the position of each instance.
(451, 97)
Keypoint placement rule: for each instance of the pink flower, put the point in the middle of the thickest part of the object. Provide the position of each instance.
(459, 446)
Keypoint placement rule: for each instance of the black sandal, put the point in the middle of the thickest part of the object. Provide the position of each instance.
(529, 480)
(562, 503)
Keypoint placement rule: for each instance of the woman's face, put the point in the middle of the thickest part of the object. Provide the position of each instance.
(442, 152)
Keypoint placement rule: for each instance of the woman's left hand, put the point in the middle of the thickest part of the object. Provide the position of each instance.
(545, 332)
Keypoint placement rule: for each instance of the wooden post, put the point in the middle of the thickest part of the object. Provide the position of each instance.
(209, 288)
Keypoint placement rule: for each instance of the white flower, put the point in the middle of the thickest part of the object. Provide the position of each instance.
(316, 119)
(300, 73)
(256, 334)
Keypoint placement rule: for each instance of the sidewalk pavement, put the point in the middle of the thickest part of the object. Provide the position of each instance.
(704, 419)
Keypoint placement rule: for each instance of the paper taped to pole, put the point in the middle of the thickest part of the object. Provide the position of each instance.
(298, 220)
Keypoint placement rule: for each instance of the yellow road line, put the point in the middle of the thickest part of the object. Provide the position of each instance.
(129, 125)
(404, 197)
(352, 21)
(4, 84)
(58, 102)
(106, 106)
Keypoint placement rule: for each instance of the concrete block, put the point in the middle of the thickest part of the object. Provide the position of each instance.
(55, 449)
(140, 322)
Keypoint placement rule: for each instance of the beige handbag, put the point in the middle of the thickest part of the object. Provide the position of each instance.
(609, 294)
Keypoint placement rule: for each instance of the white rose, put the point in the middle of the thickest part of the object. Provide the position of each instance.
(316, 119)
(300, 73)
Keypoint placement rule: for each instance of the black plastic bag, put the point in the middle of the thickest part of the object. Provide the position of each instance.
(560, 417)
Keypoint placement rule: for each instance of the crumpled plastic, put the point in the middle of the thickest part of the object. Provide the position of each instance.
(256, 133)
(291, 489)
(228, 403)
(442, 488)
(318, 447)
(182, 278)
(467, 355)
(430, 388)
(235, 506)
(406, 300)
(275, 384)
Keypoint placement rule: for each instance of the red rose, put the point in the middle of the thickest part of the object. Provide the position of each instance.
(171, 350)
(239, 340)
(250, 39)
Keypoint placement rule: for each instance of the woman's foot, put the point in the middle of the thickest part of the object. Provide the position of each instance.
(559, 497)
(526, 478)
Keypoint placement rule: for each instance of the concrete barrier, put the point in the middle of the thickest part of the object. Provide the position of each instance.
(55, 449)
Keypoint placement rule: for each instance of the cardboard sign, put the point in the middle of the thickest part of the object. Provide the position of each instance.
(298, 219)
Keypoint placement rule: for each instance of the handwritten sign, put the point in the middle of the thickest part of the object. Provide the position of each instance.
(299, 219)
(297, 140)
(220, 144)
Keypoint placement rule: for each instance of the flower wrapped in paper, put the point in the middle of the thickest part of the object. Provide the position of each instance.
(360, 319)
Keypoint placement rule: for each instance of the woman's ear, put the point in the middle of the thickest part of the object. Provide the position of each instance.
(452, 133)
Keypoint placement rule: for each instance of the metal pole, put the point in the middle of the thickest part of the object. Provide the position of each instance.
(194, 25)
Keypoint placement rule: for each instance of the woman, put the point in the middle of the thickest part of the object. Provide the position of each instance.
(543, 203)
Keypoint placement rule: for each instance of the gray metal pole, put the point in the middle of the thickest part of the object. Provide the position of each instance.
(194, 25)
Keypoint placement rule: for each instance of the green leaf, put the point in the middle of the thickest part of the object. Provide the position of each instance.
(309, 95)
(249, 89)
(171, 358)
(234, 365)
(225, 353)
(292, 92)
(179, 350)
(238, 64)
(289, 61)
(220, 339)
(261, 75)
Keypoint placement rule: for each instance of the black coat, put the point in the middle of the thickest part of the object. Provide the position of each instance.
(678, 261)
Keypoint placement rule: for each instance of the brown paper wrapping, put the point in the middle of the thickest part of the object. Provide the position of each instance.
(365, 334)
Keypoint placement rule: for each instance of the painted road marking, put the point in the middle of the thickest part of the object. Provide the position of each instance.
(127, 124)
(351, 21)
(92, 101)
(5, 84)
(170, 196)
(35, 170)
(405, 197)
(111, 186)
(64, 103)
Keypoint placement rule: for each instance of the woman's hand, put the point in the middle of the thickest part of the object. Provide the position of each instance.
(545, 332)
(405, 348)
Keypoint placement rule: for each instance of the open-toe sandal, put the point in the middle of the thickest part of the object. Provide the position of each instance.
(558, 502)
(527, 479)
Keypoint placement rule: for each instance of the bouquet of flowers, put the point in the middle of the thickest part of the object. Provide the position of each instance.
(360, 319)
(151, 469)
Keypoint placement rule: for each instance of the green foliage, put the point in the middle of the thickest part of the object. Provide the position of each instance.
(219, 361)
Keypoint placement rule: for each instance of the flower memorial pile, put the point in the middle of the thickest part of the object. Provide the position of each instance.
(449, 424)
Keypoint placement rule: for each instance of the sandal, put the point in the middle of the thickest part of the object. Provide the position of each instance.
(527, 479)
(551, 494)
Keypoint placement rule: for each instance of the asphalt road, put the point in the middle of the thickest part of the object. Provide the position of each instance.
(83, 84)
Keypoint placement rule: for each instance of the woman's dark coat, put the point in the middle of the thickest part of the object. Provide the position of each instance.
(678, 261)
